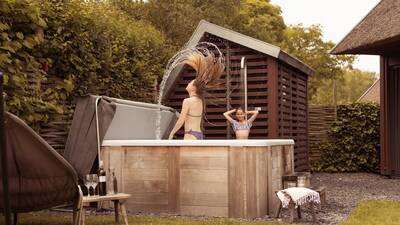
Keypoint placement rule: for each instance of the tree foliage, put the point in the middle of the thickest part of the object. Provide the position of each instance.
(307, 44)
(177, 19)
(349, 87)
(119, 47)
(80, 47)
(20, 28)
(352, 140)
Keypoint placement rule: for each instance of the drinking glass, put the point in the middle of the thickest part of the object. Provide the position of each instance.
(88, 183)
(95, 182)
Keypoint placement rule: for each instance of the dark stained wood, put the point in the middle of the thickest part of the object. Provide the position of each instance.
(293, 112)
(383, 118)
(273, 106)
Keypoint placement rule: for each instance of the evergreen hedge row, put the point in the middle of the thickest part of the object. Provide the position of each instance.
(352, 140)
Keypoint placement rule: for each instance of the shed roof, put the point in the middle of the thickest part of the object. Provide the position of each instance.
(372, 94)
(377, 33)
(241, 39)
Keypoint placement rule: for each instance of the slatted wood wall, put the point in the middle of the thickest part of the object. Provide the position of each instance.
(293, 109)
(320, 120)
(266, 75)
(55, 130)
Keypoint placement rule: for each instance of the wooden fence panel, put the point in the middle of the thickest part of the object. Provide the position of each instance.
(320, 120)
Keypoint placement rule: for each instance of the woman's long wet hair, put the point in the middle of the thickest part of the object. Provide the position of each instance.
(209, 69)
(208, 62)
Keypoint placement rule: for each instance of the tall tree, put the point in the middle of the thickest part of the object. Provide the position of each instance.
(307, 44)
(349, 87)
(177, 19)
(262, 20)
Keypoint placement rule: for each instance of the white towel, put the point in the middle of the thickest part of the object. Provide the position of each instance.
(299, 195)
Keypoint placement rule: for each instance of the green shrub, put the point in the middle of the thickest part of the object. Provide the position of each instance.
(52, 51)
(352, 140)
(101, 49)
(20, 35)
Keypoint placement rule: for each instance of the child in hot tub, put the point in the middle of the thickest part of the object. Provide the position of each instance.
(241, 126)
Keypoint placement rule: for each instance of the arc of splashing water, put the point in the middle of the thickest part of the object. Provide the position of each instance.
(176, 60)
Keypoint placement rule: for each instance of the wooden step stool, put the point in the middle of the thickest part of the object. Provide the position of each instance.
(292, 210)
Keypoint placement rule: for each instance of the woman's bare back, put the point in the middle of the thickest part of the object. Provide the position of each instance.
(195, 114)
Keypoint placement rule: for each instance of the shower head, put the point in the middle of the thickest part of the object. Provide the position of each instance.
(243, 62)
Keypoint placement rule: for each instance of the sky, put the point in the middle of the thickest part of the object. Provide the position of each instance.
(337, 18)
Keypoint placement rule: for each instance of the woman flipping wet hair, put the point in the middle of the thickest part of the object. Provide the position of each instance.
(209, 68)
(241, 126)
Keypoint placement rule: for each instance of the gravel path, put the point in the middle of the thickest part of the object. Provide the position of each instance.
(345, 190)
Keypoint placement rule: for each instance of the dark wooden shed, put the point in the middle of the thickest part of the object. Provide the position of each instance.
(379, 34)
(277, 82)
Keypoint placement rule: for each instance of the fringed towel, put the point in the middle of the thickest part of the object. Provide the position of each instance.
(299, 195)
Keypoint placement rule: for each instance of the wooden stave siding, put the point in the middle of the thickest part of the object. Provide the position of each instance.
(263, 72)
(293, 112)
(218, 181)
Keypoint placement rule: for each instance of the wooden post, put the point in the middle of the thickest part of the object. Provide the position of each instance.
(4, 161)
(384, 167)
(116, 209)
(273, 105)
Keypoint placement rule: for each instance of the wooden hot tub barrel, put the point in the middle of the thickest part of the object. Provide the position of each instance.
(224, 178)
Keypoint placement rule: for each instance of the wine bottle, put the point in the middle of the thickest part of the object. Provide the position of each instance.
(115, 183)
(102, 180)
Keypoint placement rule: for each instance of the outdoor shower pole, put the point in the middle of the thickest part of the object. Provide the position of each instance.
(243, 66)
(97, 129)
(4, 166)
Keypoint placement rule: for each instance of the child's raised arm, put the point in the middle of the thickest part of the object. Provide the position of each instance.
(227, 115)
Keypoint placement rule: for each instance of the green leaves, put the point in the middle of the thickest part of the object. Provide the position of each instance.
(20, 35)
(54, 51)
(18, 60)
(352, 140)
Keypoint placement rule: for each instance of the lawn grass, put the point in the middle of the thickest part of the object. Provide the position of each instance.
(375, 212)
(44, 218)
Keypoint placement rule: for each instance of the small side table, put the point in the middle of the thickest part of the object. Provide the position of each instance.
(119, 204)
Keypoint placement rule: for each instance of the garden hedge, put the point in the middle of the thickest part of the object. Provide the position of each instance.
(352, 140)
(52, 51)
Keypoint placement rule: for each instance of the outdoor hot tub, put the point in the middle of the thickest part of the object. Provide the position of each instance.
(224, 178)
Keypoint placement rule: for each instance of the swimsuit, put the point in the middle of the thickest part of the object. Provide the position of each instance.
(194, 116)
(239, 126)
(197, 134)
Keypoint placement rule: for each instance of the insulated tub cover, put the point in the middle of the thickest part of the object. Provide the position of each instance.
(137, 121)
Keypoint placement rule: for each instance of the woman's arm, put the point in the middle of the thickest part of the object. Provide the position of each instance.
(181, 119)
(227, 115)
(253, 117)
